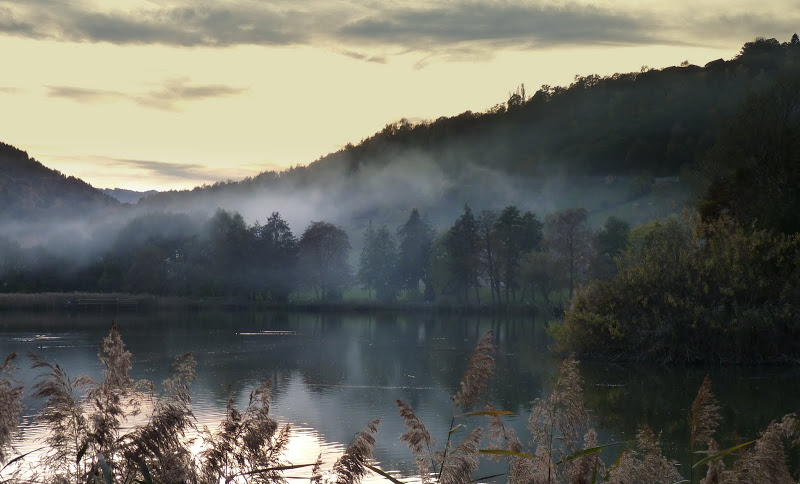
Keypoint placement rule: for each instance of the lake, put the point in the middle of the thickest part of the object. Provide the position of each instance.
(334, 372)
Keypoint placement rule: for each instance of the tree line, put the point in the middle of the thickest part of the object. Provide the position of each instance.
(495, 257)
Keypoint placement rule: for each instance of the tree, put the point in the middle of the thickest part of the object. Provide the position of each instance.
(753, 173)
(608, 243)
(463, 254)
(516, 234)
(378, 263)
(324, 248)
(659, 245)
(795, 40)
(416, 241)
(703, 291)
(366, 269)
(542, 273)
(277, 257)
(229, 246)
(568, 238)
(487, 238)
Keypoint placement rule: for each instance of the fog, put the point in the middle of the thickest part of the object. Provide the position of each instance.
(335, 189)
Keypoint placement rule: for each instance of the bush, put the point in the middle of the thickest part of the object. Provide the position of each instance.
(693, 291)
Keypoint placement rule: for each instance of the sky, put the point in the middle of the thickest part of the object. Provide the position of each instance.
(160, 94)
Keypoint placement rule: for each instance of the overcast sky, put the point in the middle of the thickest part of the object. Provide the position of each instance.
(175, 93)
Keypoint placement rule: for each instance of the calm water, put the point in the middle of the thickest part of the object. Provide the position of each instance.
(333, 373)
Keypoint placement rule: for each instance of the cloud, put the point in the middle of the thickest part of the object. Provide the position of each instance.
(377, 59)
(184, 171)
(10, 25)
(85, 95)
(504, 24)
(170, 95)
(11, 90)
(174, 92)
(177, 23)
(197, 173)
(369, 30)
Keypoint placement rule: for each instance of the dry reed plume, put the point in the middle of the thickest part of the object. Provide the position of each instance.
(10, 405)
(703, 421)
(247, 443)
(767, 460)
(645, 464)
(451, 465)
(480, 369)
(556, 422)
(352, 465)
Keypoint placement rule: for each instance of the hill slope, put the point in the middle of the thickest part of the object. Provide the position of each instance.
(30, 190)
(561, 147)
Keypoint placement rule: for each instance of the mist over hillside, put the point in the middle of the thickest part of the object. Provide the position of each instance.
(584, 145)
(628, 145)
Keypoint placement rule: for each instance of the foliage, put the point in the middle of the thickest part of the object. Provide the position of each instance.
(568, 238)
(608, 243)
(377, 265)
(693, 291)
(28, 189)
(277, 257)
(542, 272)
(416, 242)
(516, 234)
(324, 248)
(753, 174)
(463, 255)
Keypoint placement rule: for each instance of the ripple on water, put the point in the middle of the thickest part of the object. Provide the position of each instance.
(269, 333)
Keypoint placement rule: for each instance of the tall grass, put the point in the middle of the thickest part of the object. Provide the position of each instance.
(10, 405)
(91, 436)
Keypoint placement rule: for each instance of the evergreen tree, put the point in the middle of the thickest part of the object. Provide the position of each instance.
(384, 262)
(416, 241)
(366, 268)
(278, 257)
(463, 252)
(607, 244)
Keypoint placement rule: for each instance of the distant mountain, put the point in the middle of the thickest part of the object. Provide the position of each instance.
(127, 196)
(29, 190)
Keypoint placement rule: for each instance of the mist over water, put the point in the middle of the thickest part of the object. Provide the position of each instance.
(333, 373)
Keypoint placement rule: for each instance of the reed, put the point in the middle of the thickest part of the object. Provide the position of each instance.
(91, 439)
(10, 405)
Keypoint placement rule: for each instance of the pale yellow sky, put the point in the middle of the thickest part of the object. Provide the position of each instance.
(172, 94)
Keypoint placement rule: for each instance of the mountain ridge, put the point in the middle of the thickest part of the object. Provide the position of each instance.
(29, 189)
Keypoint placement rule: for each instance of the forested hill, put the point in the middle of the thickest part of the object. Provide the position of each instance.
(30, 190)
(654, 122)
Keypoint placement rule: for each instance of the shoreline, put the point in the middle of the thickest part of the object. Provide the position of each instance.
(125, 302)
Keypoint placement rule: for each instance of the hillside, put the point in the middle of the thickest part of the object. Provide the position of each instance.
(30, 190)
(546, 151)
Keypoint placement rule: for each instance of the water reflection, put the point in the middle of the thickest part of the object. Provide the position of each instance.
(333, 373)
